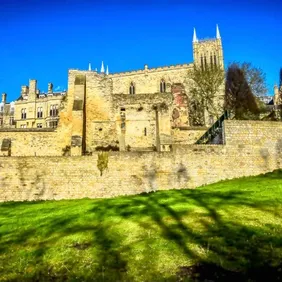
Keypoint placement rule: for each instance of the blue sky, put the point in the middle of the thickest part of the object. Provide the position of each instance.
(43, 39)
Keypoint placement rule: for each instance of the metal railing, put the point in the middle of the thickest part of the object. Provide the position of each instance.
(214, 130)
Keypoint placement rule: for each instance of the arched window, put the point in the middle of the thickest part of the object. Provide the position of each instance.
(202, 62)
(211, 60)
(162, 86)
(23, 113)
(215, 60)
(132, 88)
(54, 110)
(39, 112)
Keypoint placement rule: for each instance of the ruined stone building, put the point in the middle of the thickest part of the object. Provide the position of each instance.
(146, 109)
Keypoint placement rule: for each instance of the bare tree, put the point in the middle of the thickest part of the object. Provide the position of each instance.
(206, 84)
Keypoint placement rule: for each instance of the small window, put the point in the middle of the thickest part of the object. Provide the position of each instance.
(1, 121)
(211, 61)
(54, 110)
(11, 120)
(162, 86)
(145, 131)
(53, 124)
(39, 112)
(202, 62)
(122, 112)
(23, 113)
(132, 88)
(39, 125)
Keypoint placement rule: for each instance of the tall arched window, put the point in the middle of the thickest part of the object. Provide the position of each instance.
(132, 88)
(23, 113)
(162, 86)
(215, 60)
(211, 60)
(202, 62)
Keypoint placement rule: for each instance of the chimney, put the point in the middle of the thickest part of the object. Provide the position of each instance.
(32, 89)
(24, 91)
(4, 98)
(50, 87)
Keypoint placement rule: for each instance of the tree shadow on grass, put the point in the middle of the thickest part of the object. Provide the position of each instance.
(232, 249)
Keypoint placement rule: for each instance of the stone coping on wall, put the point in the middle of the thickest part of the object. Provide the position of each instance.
(177, 149)
(140, 71)
(27, 129)
(252, 122)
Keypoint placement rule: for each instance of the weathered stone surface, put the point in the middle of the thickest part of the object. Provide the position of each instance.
(251, 148)
(76, 141)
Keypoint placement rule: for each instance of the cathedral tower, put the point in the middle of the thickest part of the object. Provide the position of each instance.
(208, 51)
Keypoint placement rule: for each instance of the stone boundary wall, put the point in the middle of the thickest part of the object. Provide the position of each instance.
(128, 173)
(255, 133)
(32, 142)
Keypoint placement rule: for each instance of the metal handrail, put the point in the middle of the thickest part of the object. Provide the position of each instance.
(214, 130)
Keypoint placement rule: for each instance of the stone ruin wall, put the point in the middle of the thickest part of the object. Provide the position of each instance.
(255, 147)
(148, 80)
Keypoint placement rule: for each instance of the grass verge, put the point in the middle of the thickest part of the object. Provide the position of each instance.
(228, 230)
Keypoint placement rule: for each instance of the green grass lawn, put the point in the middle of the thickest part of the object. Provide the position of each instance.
(228, 230)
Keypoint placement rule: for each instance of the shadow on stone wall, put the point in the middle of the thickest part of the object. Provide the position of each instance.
(32, 187)
(278, 149)
(264, 153)
(152, 173)
(182, 173)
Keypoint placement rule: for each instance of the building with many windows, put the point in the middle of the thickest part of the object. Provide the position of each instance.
(33, 109)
